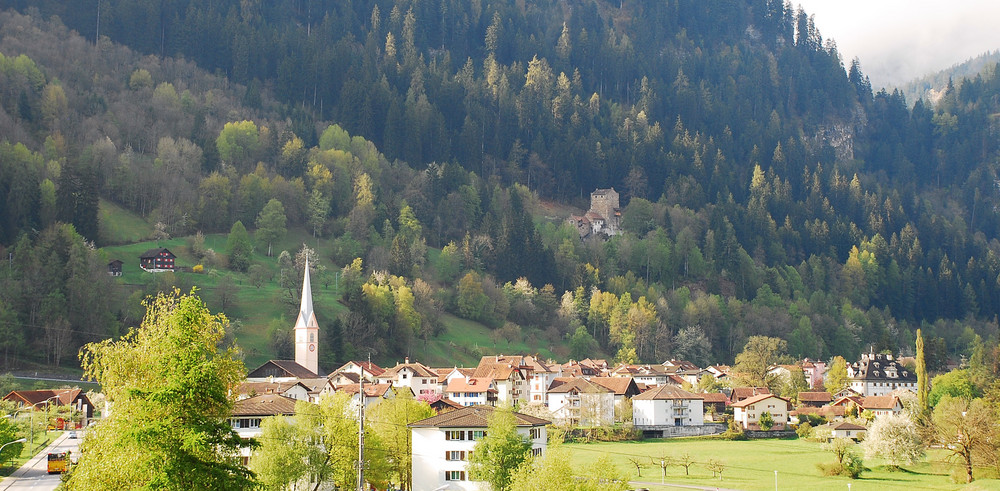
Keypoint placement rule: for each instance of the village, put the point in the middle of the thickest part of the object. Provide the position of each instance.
(673, 399)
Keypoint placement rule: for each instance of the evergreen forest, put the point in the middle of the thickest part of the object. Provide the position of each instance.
(434, 149)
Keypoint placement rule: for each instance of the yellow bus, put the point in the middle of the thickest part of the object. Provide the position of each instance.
(58, 462)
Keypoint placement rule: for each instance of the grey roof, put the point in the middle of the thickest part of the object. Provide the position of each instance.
(473, 417)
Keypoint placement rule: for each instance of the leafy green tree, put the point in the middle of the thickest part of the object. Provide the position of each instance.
(766, 421)
(238, 143)
(796, 383)
(8, 433)
(271, 223)
(281, 460)
(956, 383)
(169, 384)
(836, 376)
(757, 357)
(389, 420)
(497, 456)
(238, 247)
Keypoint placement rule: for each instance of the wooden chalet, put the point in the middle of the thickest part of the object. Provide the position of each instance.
(115, 267)
(157, 260)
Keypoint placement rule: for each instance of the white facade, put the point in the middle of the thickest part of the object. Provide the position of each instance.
(419, 383)
(582, 408)
(441, 456)
(668, 412)
(748, 411)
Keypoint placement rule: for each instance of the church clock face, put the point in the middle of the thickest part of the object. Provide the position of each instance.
(312, 347)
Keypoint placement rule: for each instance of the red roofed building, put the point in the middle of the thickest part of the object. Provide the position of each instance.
(41, 399)
(748, 411)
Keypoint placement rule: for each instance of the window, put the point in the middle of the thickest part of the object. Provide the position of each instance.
(535, 452)
(477, 435)
(454, 435)
(246, 422)
(454, 475)
(454, 455)
(535, 433)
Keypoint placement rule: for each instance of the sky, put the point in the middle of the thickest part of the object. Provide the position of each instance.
(899, 40)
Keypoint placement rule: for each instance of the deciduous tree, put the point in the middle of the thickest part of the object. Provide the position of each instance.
(271, 223)
(169, 384)
(894, 438)
(497, 456)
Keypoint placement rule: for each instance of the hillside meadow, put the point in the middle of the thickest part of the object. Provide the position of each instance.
(751, 465)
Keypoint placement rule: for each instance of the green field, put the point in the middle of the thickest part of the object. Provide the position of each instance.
(751, 465)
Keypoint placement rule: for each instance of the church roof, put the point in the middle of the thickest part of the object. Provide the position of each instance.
(281, 369)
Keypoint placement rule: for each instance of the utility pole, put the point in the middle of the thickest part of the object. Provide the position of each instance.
(361, 427)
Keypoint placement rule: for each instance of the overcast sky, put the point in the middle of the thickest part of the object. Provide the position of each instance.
(898, 40)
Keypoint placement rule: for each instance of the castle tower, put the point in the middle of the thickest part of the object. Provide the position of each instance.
(307, 329)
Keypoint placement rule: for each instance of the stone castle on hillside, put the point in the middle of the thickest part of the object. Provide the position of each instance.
(603, 218)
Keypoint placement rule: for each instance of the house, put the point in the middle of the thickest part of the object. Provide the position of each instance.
(604, 216)
(715, 401)
(878, 374)
(366, 368)
(740, 393)
(510, 375)
(845, 429)
(667, 405)
(882, 405)
(416, 376)
(748, 411)
(157, 260)
(624, 389)
(542, 375)
(279, 371)
(292, 389)
(472, 391)
(40, 400)
(442, 446)
(831, 412)
(250, 412)
(579, 402)
(317, 387)
(374, 393)
(115, 267)
(648, 374)
(815, 372)
(815, 399)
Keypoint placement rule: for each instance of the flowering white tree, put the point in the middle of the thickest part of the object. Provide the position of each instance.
(894, 438)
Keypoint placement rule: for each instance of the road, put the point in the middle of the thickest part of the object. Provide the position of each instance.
(34, 474)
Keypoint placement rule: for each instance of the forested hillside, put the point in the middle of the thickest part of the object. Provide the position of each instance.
(766, 188)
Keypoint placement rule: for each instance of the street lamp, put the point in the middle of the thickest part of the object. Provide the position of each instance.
(31, 426)
(19, 440)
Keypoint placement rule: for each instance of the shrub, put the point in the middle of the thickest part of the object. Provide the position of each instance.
(766, 421)
(734, 432)
(805, 430)
(198, 268)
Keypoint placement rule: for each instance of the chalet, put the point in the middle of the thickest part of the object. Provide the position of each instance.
(115, 267)
(510, 375)
(717, 401)
(293, 390)
(877, 374)
(882, 405)
(357, 368)
(157, 260)
(623, 387)
(442, 446)
(748, 411)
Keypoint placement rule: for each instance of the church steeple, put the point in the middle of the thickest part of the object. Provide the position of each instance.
(307, 329)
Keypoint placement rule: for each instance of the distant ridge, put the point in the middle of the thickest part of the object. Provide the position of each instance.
(931, 87)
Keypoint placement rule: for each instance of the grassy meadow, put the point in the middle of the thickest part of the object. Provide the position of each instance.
(461, 343)
(751, 465)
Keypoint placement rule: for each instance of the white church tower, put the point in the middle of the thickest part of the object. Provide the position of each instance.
(307, 329)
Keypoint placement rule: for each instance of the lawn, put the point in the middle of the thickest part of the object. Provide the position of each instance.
(42, 440)
(752, 464)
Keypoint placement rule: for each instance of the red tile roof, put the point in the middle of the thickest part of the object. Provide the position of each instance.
(265, 405)
(757, 398)
(665, 392)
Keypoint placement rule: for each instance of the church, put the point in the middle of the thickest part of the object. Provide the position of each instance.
(306, 332)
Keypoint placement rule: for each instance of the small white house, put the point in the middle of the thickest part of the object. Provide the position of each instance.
(748, 411)
(250, 412)
(442, 446)
(667, 405)
(415, 376)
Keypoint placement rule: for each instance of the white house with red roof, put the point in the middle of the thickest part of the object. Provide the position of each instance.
(471, 391)
(667, 405)
(748, 411)
(416, 376)
(579, 402)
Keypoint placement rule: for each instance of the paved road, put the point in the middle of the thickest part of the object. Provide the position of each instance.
(34, 474)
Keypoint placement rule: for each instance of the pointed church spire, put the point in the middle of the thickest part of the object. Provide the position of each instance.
(306, 328)
(306, 306)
